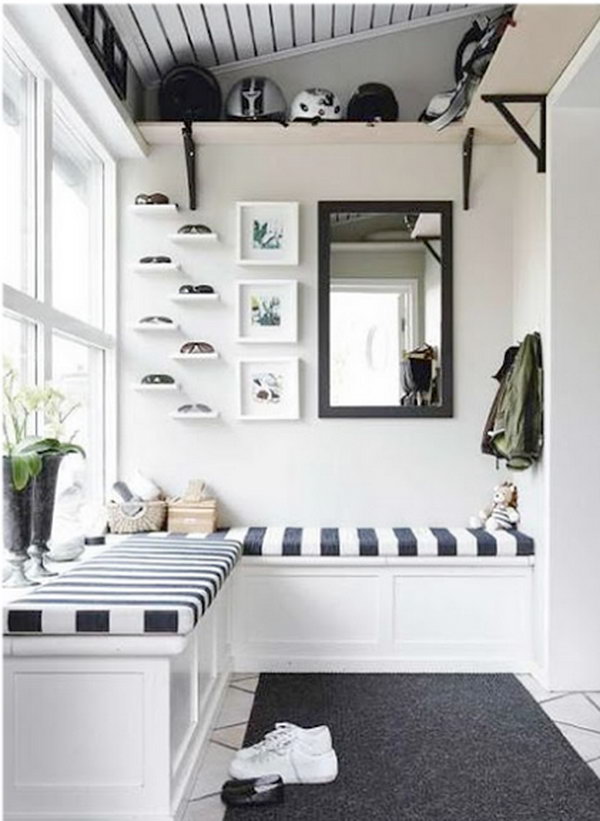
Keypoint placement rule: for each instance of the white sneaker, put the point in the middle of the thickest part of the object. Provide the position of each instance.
(289, 758)
(316, 739)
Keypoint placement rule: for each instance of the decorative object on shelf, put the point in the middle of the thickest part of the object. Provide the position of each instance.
(194, 411)
(315, 105)
(503, 512)
(268, 388)
(158, 379)
(193, 512)
(150, 517)
(256, 99)
(267, 233)
(151, 199)
(196, 289)
(30, 467)
(267, 310)
(197, 228)
(156, 260)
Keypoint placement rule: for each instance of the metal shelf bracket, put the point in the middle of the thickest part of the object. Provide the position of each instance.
(467, 155)
(499, 102)
(189, 150)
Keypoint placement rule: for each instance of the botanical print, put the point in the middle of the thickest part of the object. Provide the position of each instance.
(265, 311)
(267, 388)
(267, 235)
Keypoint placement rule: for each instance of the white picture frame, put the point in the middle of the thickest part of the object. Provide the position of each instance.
(269, 389)
(267, 311)
(267, 233)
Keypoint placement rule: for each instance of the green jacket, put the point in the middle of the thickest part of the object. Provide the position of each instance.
(516, 431)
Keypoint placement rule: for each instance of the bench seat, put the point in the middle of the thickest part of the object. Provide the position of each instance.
(140, 585)
(384, 542)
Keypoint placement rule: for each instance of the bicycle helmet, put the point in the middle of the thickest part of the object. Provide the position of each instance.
(372, 101)
(189, 92)
(315, 104)
(255, 98)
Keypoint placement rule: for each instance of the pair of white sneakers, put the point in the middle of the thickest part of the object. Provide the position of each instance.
(299, 755)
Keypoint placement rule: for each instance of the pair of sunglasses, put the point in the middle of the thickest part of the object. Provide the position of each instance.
(158, 379)
(151, 199)
(194, 229)
(197, 408)
(197, 347)
(196, 289)
(153, 260)
(156, 320)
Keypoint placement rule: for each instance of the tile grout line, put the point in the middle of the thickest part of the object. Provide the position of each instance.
(202, 797)
(227, 726)
(592, 702)
(559, 722)
(240, 689)
(223, 744)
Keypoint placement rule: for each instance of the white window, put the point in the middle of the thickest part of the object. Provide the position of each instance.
(59, 264)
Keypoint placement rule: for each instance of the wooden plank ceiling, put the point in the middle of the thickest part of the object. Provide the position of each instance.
(220, 35)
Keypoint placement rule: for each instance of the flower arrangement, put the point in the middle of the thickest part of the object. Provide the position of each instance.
(21, 406)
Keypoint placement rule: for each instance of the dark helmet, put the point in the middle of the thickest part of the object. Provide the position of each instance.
(372, 101)
(189, 93)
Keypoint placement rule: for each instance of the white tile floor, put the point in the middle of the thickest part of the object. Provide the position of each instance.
(577, 715)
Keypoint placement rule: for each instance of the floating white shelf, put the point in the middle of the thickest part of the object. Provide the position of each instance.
(156, 268)
(155, 329)
(193, 239)
(137, 386)
(154, 210)
(195, 297)
(194, 416)
(187, 357)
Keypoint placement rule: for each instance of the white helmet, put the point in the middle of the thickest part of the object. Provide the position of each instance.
(255, 98)
(316, 104)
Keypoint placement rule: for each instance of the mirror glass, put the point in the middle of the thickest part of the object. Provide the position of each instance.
(385, 309)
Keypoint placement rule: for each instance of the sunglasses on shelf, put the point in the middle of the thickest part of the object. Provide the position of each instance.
(152, 199)
(197, 347)
(197, 408)
(158, 379)
(196, 289)
(154, 260)
(156, 320)
(194, 229)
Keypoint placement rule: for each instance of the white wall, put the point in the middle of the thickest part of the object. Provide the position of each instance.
(379, 471)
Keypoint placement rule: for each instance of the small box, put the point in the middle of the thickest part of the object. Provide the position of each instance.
(192, 517)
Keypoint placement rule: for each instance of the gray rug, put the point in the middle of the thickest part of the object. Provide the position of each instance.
(426, 748)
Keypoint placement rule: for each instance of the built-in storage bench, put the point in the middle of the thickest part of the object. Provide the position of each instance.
(384, 599)
(113, 675)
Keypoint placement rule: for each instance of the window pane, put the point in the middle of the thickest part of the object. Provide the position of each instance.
(18, 345)
(16, 255)
(76, 225)
(77, 371)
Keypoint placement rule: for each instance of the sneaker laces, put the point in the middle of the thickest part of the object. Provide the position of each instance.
(276, 740)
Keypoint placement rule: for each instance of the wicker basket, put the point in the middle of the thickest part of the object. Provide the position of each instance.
(151, 517)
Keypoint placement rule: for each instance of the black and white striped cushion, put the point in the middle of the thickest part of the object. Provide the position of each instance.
(378, 541)
(150, 583)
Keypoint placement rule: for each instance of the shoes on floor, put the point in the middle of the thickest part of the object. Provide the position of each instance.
(268, 789)
(288, 756)
(316, 739)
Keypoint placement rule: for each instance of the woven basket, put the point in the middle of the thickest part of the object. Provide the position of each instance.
(152, 517)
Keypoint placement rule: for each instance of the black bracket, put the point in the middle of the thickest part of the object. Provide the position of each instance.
(432, 250)
(499, 102)
(467, 154)
(190, 161)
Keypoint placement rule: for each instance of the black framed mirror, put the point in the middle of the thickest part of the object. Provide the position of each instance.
(385, 308)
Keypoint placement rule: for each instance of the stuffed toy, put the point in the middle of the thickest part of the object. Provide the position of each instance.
(502, 514)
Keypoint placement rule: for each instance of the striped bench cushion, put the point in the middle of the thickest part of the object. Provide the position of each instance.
(143, 584)
(377, 541)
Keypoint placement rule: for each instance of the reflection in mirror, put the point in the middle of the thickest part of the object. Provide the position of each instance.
(382, 274)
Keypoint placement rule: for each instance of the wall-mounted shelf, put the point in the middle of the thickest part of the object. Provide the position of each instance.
(194, 239)
(156, 268)
(152, 328)
(189, 357)
(167, 210)
(194, 417)
(137, 386)
(428, 225)
(195, 298)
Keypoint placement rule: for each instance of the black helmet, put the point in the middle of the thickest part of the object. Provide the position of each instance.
(372, 101)
(189, 93)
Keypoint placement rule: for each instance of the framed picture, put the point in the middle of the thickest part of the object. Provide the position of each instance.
(267, 310)
(269, 388)
(267, 233)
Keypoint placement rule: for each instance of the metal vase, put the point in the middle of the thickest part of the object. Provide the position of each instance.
(42, 514)
(17, 526)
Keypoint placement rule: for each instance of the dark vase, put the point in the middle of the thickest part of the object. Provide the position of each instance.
(17, 526)
(42, 514)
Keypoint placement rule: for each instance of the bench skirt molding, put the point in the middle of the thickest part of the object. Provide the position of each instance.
(147, 702)
(382, 615)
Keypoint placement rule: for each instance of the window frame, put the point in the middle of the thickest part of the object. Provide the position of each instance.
(45, 101)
